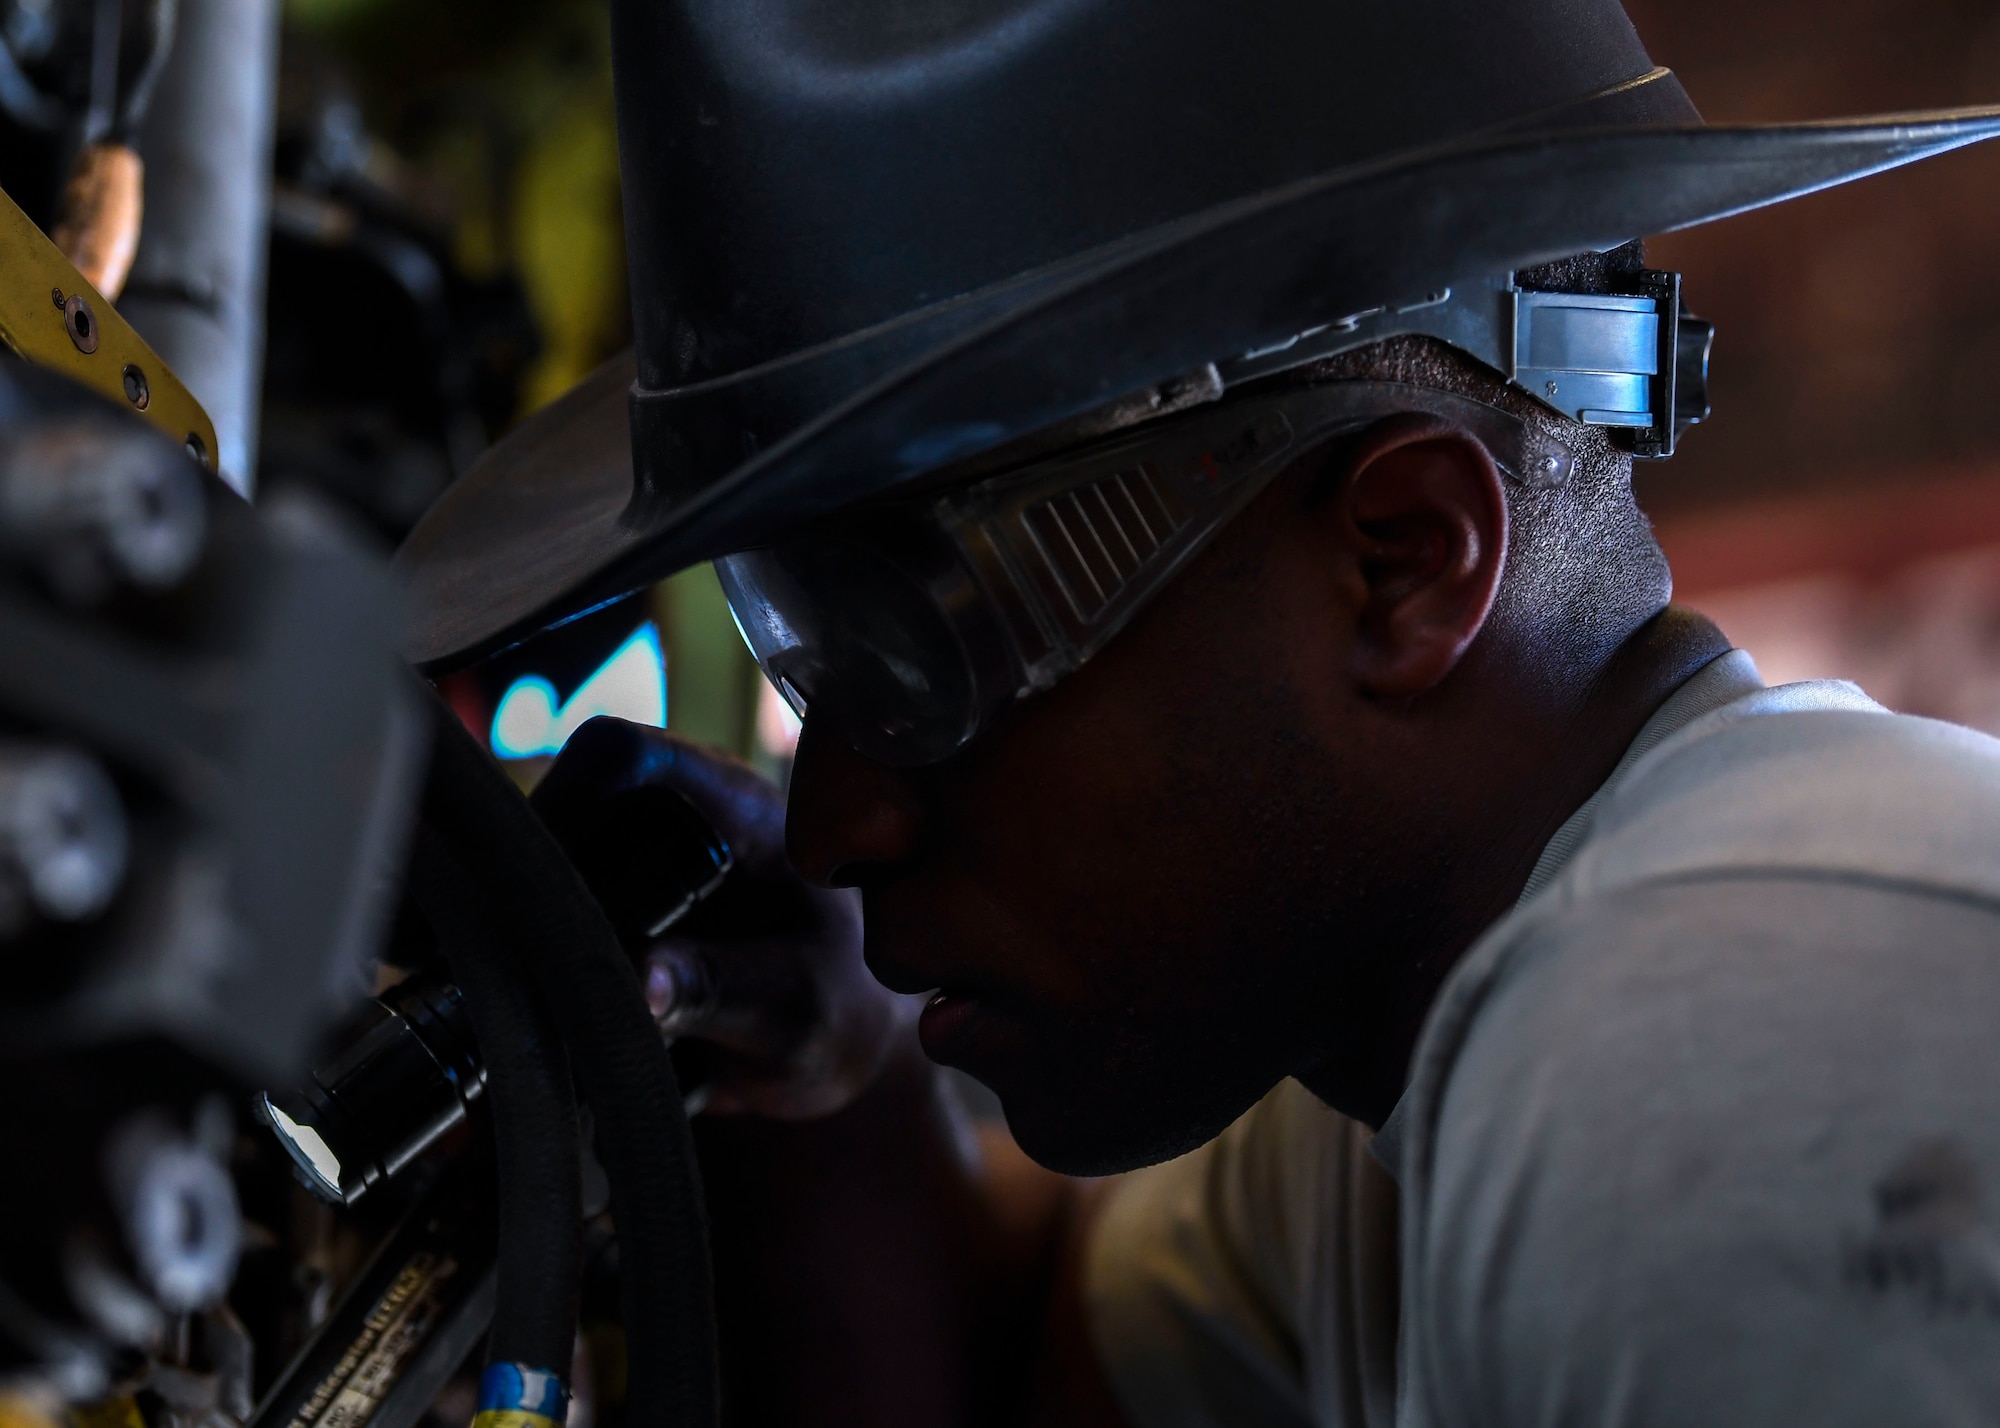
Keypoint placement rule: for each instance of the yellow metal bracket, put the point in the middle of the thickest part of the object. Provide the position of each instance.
(51, 317)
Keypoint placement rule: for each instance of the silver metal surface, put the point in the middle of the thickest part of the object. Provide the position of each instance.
(1591, 358)
(197, 288)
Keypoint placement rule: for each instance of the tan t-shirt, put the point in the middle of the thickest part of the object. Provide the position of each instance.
(1706, 1131)
(1252, 1283)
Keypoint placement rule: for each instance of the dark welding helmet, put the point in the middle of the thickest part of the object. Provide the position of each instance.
(876, 238)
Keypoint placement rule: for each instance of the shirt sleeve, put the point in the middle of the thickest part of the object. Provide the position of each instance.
(1252, 1283)
(1717, 1151)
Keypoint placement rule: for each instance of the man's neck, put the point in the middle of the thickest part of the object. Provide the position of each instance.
(1555, 772)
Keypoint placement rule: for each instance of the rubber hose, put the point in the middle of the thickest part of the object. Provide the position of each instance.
(641, 1125)
(535, 1132)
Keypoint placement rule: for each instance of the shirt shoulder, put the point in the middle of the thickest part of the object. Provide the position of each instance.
(1672, 1120)
(1787, 780)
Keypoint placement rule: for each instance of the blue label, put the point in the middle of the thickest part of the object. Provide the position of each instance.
(510, 1387)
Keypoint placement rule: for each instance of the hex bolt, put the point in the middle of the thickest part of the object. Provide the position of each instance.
(179, 1213)
(64, 844)
(99, 504)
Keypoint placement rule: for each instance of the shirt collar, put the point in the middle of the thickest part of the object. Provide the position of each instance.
(1721, 681)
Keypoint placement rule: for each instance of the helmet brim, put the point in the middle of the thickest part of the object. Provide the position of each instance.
(550, 522)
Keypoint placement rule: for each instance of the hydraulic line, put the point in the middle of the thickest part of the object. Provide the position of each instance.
(642, 1134)
(535, 1132)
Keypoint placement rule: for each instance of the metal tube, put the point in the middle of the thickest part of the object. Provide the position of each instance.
(197, 289)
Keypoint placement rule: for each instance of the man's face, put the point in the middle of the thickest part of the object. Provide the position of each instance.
(1137, 891)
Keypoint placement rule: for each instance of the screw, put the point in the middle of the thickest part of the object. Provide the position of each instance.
(1552, 389)
(81, 322)
(137, 391)
(57, 294)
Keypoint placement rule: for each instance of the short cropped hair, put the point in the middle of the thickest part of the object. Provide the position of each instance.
(1582, 553)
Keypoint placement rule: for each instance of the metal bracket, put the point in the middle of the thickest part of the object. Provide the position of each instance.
(51, 317)
(1632, 361)
(1594, 359)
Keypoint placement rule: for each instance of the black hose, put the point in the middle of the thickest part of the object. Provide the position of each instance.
(536, 1140)
(642, 1131)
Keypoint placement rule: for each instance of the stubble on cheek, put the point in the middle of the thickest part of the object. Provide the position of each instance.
(1147, 868)
(1141, 935)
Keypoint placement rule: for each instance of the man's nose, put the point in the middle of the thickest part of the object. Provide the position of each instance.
(848, 819)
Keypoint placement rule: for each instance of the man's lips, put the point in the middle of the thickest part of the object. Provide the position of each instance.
(950, 1006)
(970, 1015)
(946, 1019)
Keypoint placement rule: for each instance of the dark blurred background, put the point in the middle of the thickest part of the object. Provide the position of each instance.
(1841, 514)
(447, 256)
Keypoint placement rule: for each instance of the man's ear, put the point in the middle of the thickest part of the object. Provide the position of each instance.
(1426, 515)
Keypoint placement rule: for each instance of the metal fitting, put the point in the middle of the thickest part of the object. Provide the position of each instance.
(99, 504)
(138, 391)
(178, 1211)
(406, 1081)
(63, 837)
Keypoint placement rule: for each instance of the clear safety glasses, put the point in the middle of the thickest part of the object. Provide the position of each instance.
(909, 628)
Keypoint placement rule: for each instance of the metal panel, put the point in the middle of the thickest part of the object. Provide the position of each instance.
(51, 317)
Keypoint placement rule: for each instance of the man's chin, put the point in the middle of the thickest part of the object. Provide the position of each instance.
(1091, 1130)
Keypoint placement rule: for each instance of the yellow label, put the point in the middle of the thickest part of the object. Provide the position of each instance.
(120, 1412)
(512, 1418)
(53, 332)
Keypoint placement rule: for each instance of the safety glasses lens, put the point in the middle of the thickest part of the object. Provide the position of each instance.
(848, 633)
